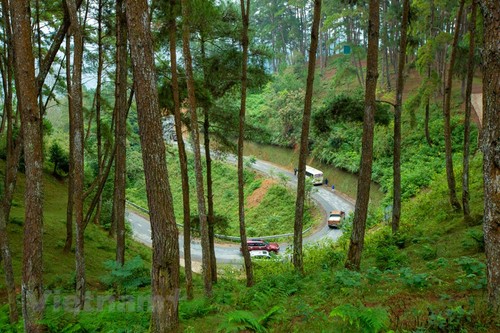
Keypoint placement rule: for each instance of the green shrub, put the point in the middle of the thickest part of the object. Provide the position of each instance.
(449, 320)
(346, 279)
(474, 240)
(474, 277)
(197, 308)
(132, 275)
(389, 257)
(412, 280)
(428, 252)
(360, 318)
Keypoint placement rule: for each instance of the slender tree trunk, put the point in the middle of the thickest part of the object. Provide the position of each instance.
(69, 208)
(77, 150)
(120, 112)
(468, 106)
(396, 202)
(165, 265)
(195, 133)
(386, 42)
(365, 172)
(208, 160)
(210, 196)
(100, 57)
(491, 147)
(245, 10)
(298, 260)
(32, 284)
(447, 114)
(182, 153)
(14, 145)
(427, 107)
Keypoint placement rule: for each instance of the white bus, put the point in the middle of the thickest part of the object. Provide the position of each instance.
(315, 175)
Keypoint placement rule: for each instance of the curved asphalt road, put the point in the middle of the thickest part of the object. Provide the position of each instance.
(324, 196)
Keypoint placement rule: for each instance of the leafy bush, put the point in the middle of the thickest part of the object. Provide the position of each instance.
(361, 318)
(346, 279)
(412, 280)
(428, 252)
(475, 274)
(449, 320)
(474, 240)
(389, 258)
(196, 308)
(132, 275)
(347, 107)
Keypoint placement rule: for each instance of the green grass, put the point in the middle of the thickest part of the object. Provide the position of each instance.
(59, 266)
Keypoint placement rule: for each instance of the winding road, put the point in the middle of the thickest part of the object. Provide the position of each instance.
(326, 198)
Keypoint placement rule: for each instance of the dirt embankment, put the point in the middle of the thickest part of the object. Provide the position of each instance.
(256, 197)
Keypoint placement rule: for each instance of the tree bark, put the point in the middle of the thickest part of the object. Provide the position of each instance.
(210, 196)
(195, 134)
(165, 265)
(69, 208)
(245, 10)
(208, 161)
(365, 172)
(450, 176)
(120, 111)
(297, 258)
(491, 147)
(396, 202)
(32, 283)
(14, 146)
(386, 46)
(77, 151)
(468, 107)
(182, 153)
(100, 55)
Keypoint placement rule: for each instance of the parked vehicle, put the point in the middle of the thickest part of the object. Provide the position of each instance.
(262, 245)
(315, 174)
(336, 218)
(260, 254)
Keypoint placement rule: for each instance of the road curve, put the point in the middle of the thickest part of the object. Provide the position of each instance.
(325, 197)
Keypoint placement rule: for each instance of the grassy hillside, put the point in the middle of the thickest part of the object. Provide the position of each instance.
(59, 266)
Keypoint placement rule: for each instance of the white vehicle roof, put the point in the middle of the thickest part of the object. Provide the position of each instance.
(313, 170)
(259, 253)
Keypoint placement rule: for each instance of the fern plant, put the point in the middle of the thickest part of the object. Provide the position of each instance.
(240, 320)
(361, 318)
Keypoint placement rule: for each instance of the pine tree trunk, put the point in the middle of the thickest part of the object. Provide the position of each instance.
(298, 260)
(365, 172)
(100, 60)
(14, 145)
(182, 153)
(245, 10)
(386, 46)
(69, 208)
(491, 147)
(396, 202)
(210, 196)
(165, 264)
(120, 111)
(195, 134)
(468, 107)
(32, 283)
(77, 151)
(450, 176)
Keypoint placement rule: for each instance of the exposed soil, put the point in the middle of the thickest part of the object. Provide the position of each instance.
(256, 197)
